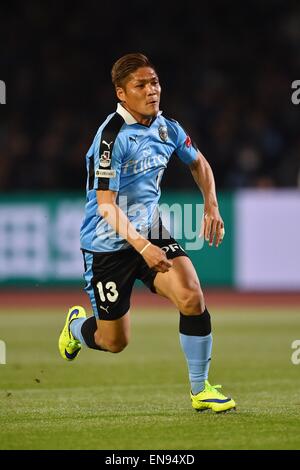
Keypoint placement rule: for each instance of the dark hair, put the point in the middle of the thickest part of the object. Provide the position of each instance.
(126, 65)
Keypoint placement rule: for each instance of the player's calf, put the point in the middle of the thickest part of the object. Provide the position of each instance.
(113, 344)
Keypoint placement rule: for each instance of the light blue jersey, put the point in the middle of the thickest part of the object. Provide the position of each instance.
(129, 158)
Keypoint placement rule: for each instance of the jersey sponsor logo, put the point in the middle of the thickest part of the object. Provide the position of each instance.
(105, 173)
(188, 141)
(105, 159)
(133, 167)
(163, 133)
(146, 152)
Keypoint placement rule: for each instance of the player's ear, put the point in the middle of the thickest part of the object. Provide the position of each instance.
(120, 93)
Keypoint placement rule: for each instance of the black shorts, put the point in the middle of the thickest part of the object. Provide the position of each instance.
(110, 276)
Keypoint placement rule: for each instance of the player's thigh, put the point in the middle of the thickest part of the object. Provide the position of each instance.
(181, 285)
(109, 282)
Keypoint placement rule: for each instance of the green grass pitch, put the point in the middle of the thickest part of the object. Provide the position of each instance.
(139, 399)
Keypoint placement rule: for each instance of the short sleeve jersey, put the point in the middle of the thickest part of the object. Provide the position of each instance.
(129, 158)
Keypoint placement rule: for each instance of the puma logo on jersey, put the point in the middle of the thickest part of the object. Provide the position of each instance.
(105, 143)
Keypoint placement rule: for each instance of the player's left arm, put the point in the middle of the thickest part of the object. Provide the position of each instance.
(188, 152)
(213, 225)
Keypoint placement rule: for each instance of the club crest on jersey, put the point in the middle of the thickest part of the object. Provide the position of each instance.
(163, 133)
(105, 159)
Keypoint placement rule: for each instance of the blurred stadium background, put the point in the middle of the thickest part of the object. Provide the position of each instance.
(226, 71)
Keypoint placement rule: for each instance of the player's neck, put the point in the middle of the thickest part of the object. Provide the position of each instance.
(144, 120)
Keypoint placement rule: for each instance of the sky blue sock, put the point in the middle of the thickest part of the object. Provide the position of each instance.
(197, 350)
(75, 328)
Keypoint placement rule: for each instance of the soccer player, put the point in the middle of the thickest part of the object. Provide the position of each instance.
(122, 236)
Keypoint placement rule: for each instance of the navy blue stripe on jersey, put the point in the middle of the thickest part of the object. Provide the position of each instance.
(91, 172)
(108, 137)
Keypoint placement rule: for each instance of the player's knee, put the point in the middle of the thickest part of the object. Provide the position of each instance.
(191, 300)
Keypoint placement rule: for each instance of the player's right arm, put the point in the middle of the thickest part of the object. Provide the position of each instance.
(117, 219)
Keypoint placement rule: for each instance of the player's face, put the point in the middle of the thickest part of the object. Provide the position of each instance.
(141, 94)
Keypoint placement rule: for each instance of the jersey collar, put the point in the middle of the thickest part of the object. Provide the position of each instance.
(128, 118)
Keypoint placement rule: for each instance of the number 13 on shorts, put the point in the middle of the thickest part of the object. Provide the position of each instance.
(108, 292)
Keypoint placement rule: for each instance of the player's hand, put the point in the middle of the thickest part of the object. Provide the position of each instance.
(212, 226)
(156, 259)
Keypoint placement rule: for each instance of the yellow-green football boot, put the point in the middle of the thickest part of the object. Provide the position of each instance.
(69, 347)
(211, 399)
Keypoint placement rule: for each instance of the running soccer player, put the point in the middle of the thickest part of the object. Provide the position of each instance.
(122, 236)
